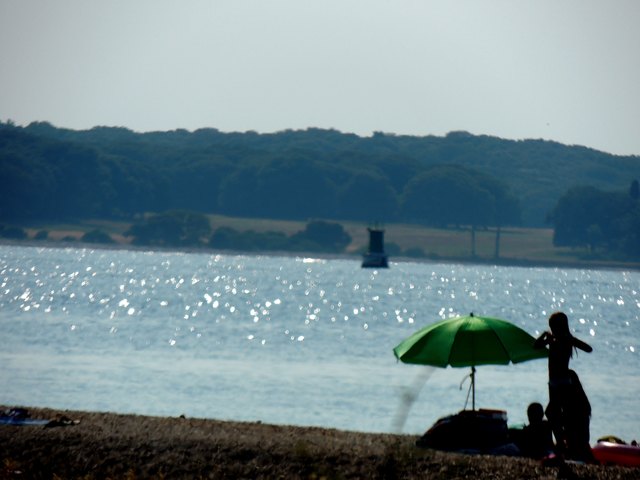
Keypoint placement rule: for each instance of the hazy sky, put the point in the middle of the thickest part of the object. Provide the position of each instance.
(563, 70)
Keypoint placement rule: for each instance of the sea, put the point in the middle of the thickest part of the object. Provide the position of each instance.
(296, 340)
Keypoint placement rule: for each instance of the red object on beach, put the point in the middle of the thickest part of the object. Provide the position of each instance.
(610, 453)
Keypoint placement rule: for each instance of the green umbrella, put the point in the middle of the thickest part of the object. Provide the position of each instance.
(469, 341)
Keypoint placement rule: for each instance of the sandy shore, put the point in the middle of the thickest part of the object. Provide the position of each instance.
(105, 445)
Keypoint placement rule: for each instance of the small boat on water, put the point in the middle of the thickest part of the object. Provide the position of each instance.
(375, 257)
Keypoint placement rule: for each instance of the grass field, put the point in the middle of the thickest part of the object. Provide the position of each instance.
(517, 245)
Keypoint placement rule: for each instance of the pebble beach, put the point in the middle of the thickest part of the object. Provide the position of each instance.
(93, 445)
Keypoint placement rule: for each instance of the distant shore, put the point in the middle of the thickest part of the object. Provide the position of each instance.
(526, 247)
(106, 445)
(504, 262)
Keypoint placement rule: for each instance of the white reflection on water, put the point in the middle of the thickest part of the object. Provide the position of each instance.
(292, 340)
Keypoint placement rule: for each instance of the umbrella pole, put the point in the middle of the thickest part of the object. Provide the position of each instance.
(473, 388)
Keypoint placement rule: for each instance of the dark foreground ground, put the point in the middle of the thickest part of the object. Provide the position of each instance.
(104, 445)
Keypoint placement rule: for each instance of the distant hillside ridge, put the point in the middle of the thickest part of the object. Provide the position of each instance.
(112, 172)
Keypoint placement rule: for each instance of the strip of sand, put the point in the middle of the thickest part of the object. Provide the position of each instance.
(92, 445)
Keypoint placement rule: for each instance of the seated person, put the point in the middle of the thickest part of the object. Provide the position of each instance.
(535, 440)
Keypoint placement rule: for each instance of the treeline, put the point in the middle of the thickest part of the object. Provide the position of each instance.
(606, 223)
(48, 173)
(113, 173)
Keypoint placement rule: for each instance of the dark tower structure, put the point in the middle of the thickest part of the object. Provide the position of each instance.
(375, 257)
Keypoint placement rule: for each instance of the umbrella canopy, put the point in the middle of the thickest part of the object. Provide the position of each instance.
(469, 341)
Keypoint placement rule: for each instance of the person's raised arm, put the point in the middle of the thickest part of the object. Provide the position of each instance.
(582, 345)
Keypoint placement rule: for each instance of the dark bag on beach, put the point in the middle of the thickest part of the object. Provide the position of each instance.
(470, 430)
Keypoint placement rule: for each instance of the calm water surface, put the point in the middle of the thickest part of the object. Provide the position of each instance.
(295, 340)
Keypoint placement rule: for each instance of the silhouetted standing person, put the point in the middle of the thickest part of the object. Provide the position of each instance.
(561, 390)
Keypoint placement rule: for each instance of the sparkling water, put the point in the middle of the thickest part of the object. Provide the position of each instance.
(292, 340)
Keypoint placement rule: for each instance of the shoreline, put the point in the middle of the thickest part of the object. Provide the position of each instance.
(108, 445)
(502, 262)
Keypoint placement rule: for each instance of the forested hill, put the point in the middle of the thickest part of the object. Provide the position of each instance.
(49, 173)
